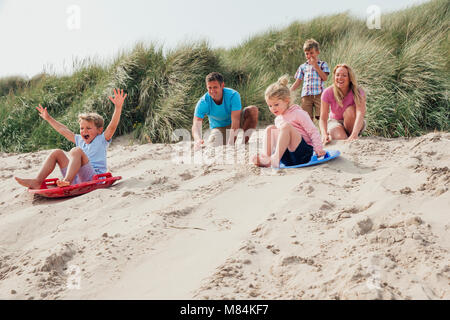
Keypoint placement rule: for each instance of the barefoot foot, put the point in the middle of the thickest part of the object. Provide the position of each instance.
(29, 183)
(261, 160)
(274, 161)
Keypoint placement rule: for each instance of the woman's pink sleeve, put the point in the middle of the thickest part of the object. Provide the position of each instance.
(326, 95)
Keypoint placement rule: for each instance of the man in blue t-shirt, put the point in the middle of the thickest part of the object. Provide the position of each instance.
(223, 108)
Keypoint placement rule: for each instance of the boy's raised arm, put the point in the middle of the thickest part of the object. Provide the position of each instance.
(62, 129)
(118, 100)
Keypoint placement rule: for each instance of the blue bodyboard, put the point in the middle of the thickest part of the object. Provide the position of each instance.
(330, 155)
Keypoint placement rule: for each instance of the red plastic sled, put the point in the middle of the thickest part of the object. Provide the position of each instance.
(49, 189)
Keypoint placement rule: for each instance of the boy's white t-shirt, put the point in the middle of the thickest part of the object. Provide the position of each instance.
(95, 151)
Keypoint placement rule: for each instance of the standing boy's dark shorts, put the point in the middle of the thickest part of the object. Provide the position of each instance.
(301, 155)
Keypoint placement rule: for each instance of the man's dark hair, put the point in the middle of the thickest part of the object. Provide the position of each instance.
(214, 76)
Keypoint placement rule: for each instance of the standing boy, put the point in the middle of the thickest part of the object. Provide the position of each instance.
(313, 73)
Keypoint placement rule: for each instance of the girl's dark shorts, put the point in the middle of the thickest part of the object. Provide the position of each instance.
(301, 155)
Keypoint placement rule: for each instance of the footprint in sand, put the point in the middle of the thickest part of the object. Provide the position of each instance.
(326, 206)
(186, 176)
(361, 227)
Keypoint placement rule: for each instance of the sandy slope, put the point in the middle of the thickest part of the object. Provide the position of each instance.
(372, 224)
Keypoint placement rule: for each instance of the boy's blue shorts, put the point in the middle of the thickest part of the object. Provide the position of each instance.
(301, 155)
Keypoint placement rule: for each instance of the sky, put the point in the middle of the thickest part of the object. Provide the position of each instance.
(50, 34)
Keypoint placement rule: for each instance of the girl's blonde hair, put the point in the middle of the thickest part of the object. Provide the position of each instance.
(279, 89)
(338, 94)
(92, 117)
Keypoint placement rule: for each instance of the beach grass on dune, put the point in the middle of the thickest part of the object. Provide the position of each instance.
(403, 67)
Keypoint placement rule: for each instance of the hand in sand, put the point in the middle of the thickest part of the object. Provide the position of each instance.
(199, 144)
(326, 139)
(351, 138)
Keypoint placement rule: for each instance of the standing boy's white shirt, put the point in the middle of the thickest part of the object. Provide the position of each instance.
(95, 151)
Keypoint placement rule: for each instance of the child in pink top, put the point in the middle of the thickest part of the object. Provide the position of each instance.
(298, 118)
(295, 134)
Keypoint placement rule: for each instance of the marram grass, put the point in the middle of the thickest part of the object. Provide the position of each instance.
(404, 69)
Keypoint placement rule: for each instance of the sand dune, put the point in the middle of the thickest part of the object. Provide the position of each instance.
(372, 224)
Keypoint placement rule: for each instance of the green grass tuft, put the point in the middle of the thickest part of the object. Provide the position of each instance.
(404, 69)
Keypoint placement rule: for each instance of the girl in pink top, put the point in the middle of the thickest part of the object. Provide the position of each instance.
(294, 136)
(348, 106)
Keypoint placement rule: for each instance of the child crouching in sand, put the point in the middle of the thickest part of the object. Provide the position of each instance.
(294, 132)
(88, 158)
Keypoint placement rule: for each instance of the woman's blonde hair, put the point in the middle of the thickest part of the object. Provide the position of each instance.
(279, 89)
(92, 117)
(338, 94)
